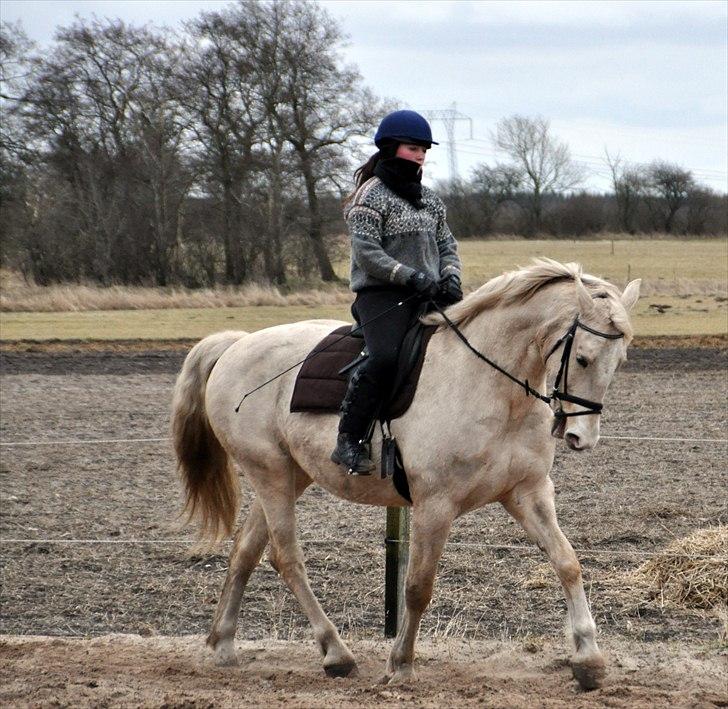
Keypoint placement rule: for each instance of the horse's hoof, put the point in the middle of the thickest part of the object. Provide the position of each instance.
(589, 673)
(404, 675)
(226, 660)
(340, 669)
(224, 654)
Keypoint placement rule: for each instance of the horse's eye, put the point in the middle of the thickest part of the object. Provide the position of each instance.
(582, 361)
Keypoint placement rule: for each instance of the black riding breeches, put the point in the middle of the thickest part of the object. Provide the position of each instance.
(383, 335)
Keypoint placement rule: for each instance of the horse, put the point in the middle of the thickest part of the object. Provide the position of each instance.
(471, 437)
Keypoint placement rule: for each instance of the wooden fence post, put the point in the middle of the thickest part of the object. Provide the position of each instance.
(397, 553)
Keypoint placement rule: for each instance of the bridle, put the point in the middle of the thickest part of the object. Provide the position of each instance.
(592, 407)
(558, 396)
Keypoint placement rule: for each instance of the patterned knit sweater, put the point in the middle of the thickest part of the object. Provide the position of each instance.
(390, 239)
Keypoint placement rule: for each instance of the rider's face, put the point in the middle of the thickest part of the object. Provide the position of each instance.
(410, 151)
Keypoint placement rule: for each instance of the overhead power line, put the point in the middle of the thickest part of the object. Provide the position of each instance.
(481, 144)
(594, 165)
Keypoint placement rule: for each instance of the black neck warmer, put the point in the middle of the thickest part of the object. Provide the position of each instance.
(403, 177)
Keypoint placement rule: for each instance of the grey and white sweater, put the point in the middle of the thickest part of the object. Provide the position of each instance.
(390, 239)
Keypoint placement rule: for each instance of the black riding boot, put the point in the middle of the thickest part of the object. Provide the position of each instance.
(357, 411)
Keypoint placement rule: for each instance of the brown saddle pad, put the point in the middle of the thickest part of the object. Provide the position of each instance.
(320, 388)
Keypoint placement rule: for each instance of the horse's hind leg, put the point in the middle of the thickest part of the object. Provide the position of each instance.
(277, 496)
(248, 546)
(534, 510)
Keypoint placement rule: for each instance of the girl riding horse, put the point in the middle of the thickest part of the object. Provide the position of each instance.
(401, 246)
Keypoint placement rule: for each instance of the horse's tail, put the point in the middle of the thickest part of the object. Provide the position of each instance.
(212, 488)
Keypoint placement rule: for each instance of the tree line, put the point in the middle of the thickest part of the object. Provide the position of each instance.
(133, 154)
(220, 154)
(535, 192)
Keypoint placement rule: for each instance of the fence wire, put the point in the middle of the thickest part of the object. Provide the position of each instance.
(340, 542)
(104, 441)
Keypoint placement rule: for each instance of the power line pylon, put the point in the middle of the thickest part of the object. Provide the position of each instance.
(448, 116)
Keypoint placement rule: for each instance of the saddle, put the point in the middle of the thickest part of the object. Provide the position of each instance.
(322, 380)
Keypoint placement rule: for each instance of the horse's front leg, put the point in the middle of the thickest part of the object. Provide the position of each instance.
(534, 510)
(431, 522)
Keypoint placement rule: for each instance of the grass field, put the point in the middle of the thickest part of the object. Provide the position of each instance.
(684, 293)
(664, 265)
(690, 315)
(160, 324)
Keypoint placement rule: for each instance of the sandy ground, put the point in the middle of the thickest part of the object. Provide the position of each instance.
(125, 670)
(90, 547)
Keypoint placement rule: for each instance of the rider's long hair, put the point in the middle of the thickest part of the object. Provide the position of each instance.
(366, 171)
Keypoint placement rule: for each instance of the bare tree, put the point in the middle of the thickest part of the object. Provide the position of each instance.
(165, 175)
(700, 204)
(670, 186)
(630, 184)
(266, 28)
(544, 161)
(217, 83)
(463, 213)
(83, 109)
(494, 186)
(15, 72)
(322, 105)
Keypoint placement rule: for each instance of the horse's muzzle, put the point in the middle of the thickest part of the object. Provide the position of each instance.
(574, 442)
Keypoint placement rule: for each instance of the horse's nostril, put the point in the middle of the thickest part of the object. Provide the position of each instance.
(573, 441)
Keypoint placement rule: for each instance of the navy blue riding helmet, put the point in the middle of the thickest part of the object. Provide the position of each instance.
(404, 126)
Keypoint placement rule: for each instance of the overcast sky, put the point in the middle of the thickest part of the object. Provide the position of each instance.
(647, 80)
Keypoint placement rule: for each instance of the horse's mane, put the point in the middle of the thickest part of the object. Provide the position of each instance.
(518, 286)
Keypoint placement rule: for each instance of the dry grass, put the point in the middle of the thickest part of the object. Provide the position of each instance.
(541, 575)
(684, 288)
(692, 572)
(684, 293)
(721, 613)
(653, 316)
(675, 267)
(16, 295)
(159, 324)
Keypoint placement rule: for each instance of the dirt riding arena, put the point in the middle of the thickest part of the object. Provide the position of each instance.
(102, 603)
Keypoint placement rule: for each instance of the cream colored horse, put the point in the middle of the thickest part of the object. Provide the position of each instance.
(470, 437)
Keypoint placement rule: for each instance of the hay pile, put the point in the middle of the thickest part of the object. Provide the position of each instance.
(691, 572)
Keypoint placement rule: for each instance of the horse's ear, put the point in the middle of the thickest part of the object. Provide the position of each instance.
(631, 294)
(586, 304)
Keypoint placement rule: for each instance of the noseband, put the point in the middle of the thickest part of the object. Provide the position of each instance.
(592, 407)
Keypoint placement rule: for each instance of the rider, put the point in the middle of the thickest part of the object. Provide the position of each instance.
(401, 245)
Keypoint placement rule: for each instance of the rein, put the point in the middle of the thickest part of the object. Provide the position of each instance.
(567, 340)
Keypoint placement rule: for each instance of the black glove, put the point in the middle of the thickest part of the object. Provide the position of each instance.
(450, 290)
(425, 285)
